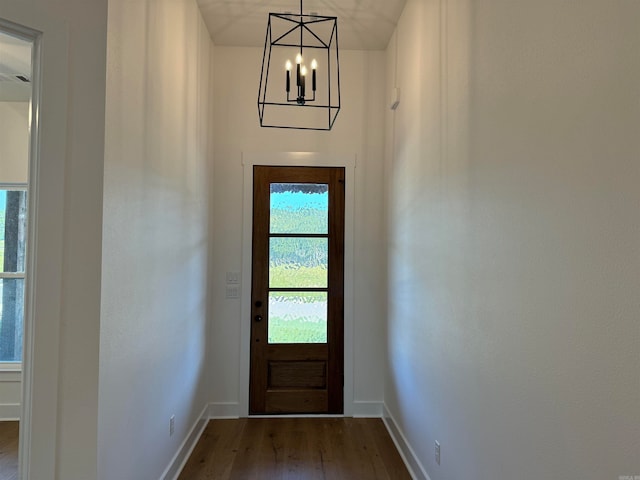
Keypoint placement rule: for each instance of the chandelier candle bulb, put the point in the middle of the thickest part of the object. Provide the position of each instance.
(298, 63)
(314, 66)
(288, 67)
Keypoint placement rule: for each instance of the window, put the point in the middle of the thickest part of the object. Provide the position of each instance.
(13, 223)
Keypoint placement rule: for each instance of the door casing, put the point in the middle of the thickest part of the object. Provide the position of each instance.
(310, 159)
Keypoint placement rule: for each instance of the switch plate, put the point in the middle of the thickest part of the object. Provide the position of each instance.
(437, 452)
(233, 291)
(172, 425)
(233, 278)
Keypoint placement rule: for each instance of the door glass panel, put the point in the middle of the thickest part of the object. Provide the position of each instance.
(298, 262)
(299, 208)
(297, 317)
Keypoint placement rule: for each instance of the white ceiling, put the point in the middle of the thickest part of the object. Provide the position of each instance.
(362, 24)
(15, 59)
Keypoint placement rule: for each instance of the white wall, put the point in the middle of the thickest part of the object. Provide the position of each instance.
(63, 374)
(514, 244)
(155, 246)
(14, 142)
(359, 130)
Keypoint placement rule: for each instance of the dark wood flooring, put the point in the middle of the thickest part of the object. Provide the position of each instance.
(9, 450)
(295, 448)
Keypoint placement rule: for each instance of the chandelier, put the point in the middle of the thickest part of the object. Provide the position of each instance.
(287, 97)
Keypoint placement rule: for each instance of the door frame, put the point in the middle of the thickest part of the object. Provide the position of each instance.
(301, 159)
(42, 314)
(26, 365)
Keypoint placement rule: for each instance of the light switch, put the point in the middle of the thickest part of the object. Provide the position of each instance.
(232, 291)
(233, 278)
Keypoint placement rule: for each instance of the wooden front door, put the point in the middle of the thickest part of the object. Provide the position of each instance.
(297, 296)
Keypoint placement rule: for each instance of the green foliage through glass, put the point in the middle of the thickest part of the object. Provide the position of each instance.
(297, 317)
(298, 262)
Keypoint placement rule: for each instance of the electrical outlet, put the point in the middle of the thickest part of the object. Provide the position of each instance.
(437, 452)
(172, 425)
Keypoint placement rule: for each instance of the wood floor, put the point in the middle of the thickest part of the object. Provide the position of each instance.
(8, 450)
(295, 448)
(270, 449)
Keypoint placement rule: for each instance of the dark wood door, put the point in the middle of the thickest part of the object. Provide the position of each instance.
(297, 334)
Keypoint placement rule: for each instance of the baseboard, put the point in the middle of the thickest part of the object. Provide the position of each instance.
(407, 453)
(184, 452)
(224, 410)
(10, 411)
(363, 409)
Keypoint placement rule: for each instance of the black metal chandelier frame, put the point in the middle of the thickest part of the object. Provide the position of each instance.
(301, 22)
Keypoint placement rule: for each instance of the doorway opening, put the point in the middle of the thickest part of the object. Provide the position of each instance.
(18, 100)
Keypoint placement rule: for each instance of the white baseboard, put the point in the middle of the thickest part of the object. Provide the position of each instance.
(224, 410)
(362, 409)
(232, 410)
(10, 411)
(184, 452)
(407, 453)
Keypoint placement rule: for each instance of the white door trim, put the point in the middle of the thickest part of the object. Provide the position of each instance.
(305, 159)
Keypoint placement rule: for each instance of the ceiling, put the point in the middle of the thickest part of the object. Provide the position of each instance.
(15, 60)
(362, 24)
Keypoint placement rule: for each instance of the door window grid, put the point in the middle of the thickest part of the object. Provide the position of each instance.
(298, 263)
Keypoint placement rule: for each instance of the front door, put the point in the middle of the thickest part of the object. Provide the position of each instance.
(297, 333)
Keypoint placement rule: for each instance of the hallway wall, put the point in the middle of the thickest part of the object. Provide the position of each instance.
(358, 131)
(514, 238)
(156, 245)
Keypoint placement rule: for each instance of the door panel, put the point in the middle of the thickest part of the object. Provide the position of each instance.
(297, 357)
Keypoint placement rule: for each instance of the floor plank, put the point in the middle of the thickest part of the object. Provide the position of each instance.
(9, 450)
(295, 448)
